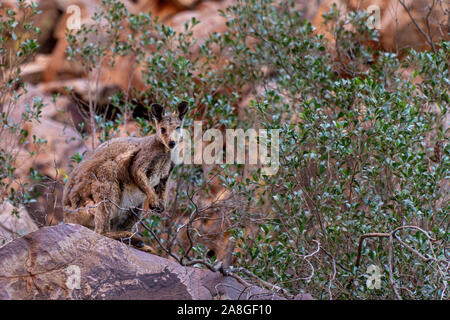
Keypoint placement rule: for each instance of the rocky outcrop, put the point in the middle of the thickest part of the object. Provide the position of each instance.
(72, 262)
(14, 223)
(402, 24)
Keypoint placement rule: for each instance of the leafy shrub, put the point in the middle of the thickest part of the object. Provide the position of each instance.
(358, 155)
(17, 45)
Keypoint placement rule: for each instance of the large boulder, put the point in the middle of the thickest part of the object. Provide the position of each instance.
(69, 261)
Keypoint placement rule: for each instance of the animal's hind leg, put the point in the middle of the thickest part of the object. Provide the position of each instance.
(84, 215)
(101, 218)
(106, 198)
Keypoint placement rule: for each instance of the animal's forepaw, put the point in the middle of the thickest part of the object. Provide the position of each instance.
(148, 249)
(159, 208)
(139, 244)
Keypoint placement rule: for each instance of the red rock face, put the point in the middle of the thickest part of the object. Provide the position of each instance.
(400, 26)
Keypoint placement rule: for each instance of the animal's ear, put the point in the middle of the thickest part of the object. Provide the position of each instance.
(182, 109)
(157, 111)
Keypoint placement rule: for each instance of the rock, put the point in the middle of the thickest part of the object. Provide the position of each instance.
(32, 72)
(12, 225)
(207, 13)
(62, 140)
(307, 8)
(397, 30)
(72, 262)
(47, 21)
(61, 68)
(186, 3)
(303, 296)
(52, 159)
(123, 72)
(319, 22)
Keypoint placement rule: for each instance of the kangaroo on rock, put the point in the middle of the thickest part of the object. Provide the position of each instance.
(121, 174)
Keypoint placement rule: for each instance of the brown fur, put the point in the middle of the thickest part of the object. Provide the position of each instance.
(120, 175)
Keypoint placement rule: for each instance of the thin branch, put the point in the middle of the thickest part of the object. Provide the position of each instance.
(264, 283)
(427, 21)
(391, 277)
(427, 39)
(361, 240)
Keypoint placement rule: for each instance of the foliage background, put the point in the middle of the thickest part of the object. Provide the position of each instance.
(364, 153)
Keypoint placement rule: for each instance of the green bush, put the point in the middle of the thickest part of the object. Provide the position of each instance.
(362, 154)
(17, 45)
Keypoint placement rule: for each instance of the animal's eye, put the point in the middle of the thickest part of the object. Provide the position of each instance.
(178, 128)
(163, 130)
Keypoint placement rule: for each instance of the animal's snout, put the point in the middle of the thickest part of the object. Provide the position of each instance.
(172, 144)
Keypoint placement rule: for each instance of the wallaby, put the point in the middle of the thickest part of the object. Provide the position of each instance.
(104, 190)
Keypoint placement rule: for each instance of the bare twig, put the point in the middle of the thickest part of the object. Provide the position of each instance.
(391, 277)
(427, 37)
(333, 277)
(361, 240)
(264, 283)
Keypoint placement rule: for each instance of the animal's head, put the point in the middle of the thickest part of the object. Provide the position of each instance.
(168, 126)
